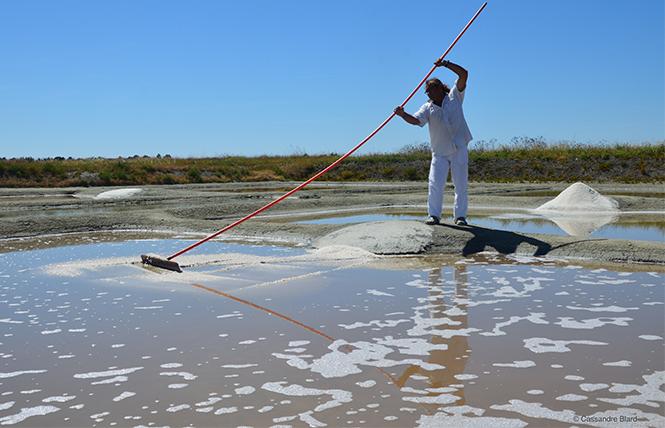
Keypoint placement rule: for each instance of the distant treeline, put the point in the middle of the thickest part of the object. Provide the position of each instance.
(522, 160)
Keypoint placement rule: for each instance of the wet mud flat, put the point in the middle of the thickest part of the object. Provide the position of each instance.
(265, 335)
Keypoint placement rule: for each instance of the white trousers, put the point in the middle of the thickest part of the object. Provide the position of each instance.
(458, 164)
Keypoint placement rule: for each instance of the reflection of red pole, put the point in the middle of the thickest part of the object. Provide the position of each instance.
(296, 322)
(261, 308)
(338, 161)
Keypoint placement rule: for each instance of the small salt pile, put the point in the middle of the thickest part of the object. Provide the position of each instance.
(580, 210)
(580, 197)
(118, 194)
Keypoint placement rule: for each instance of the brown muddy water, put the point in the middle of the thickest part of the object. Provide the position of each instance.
(294, 337)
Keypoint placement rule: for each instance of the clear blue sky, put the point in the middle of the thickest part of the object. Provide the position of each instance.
(207, 78)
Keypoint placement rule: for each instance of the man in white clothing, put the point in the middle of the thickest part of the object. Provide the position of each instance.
(449, 137)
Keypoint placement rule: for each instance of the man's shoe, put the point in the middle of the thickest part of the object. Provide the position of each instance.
(461, 221)
(432, 220)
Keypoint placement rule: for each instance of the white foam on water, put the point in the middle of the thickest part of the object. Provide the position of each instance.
(571, 397)
(535, 392)
(440, 419)
(465, 376)
(19, 373)
(107, 373)
(115, 379)
(540, 345)
(210, 401)
(118, 193)
(415, 346)
(573, 377)
(373, 323)
(535, 318)
(436, 399)
(588, 324)
(226, 410)
(650, 393)
(245, 390)
(59, 399)
(366, 384)
(590, 387)
(379, 293)
(297, 343)
(7, 405)
(620, 363)
(185, 375)
(235, 314)
(28, 412)
(178, 385)
(295, 350)
(338, 396)
(611, 308)
(125, 394)
(238, 366)
(170, 365)
(516, 364)
(178, 408)
(650, 337)
(535, 410)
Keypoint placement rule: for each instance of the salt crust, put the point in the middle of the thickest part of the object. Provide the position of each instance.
(325, 254)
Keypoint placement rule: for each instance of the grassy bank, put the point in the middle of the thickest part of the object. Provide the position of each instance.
(523, 160)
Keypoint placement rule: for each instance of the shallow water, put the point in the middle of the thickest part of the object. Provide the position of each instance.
(524, 223)
(282, 338)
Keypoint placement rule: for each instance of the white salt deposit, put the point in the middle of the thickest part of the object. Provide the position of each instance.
(580, 210)
(118, 193)
(582, 198)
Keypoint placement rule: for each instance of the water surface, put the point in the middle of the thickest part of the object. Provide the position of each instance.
(282, 339)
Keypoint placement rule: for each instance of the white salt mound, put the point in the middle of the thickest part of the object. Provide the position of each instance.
(118, 194)
(580, 197)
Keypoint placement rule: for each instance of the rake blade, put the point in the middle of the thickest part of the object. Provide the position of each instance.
(160, 263)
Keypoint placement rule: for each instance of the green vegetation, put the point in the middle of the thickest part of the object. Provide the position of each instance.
(523, 160)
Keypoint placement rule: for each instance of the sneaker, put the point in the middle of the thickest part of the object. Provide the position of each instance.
(432, 220)
(461, 221)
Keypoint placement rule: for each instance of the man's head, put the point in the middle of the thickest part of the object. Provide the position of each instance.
(436, 90)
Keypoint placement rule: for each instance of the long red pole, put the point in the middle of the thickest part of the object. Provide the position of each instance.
(338, 161)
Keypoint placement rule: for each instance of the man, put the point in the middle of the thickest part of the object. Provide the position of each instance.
(449, 137)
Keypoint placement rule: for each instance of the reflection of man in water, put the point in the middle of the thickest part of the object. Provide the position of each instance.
(454, 357)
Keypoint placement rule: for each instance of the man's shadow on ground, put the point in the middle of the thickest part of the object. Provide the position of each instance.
(502, 241)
